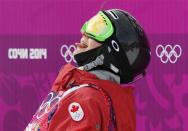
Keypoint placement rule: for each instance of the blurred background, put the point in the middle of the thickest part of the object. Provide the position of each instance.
(36, 40)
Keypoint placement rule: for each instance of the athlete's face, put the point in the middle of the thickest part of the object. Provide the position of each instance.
(85, 44)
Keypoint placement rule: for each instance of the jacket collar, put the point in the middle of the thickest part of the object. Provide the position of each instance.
(68, 74)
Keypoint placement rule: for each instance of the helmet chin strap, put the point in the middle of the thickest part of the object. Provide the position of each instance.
(98, 61)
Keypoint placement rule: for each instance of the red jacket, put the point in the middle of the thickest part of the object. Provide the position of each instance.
(79, 101)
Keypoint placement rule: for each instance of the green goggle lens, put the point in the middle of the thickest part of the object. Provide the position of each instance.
(99, 27)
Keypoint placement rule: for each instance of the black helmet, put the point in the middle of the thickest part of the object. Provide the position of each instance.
(125, 53)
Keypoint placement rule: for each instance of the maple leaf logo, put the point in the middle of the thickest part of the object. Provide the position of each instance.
(74, 108)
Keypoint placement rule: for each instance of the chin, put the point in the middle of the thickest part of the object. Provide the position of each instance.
(75, 53)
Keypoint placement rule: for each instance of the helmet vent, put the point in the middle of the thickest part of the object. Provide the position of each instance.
(113, 14)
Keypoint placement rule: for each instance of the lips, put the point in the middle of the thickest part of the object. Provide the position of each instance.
(81, 45)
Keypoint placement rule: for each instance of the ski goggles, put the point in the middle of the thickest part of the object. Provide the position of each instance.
(99, 27)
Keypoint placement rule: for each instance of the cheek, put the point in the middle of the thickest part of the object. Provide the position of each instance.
(92, 44)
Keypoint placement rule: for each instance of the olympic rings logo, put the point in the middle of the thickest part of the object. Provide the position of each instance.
(67, 53)
(168, 53)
